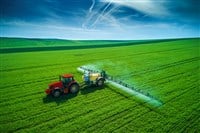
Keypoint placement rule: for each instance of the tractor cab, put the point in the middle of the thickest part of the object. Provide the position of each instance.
(66, 84)
(66, 78)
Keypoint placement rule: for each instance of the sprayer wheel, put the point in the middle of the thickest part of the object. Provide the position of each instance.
(100, 82)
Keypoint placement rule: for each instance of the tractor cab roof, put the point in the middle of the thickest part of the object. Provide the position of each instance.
(66, 75)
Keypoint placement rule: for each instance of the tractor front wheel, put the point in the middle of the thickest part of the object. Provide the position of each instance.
(74, 88)
(56, 93)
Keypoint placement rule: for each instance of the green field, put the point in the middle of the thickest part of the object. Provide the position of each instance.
(31, 42)
(168, 70)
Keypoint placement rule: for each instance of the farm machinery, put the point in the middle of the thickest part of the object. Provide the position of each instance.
(67, 83)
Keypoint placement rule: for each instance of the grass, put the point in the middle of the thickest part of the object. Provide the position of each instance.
(31, 42)
(13, 45)
(167, 70)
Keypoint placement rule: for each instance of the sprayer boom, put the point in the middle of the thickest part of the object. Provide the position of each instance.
(123, 86)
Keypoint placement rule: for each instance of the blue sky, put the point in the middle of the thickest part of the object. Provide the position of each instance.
(100, 19)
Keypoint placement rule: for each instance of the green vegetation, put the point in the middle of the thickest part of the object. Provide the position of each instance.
(13, 45)
(167, 70)
(26, 42)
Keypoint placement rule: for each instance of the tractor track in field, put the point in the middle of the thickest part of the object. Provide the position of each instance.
(161, 67)
(55, 48)
(59, 107)
(73, 117)
(172, 91)
(182, 124)
(38, 114)
(103, 114)
(19, 97)
(194, 120)
(123, 112)
(173, 75)
(115, 116)
(149, 110)
(124, 123)
(190, 126)
(180, 94)
(171, 80)
(57, 64)
(47, 111)
(184, 121)
(29, 82)
(177, 97)
(168, 78)
(21, 128)
(22, 101)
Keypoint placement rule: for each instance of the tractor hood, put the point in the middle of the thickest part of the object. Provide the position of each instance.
(56, 84)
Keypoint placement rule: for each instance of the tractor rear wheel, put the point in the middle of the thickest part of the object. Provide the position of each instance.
(74, 88)
(56, 93)
(100, 82)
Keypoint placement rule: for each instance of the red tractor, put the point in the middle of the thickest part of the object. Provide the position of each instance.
(65, 85)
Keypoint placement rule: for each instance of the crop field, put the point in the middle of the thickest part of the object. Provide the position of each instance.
(168, 70)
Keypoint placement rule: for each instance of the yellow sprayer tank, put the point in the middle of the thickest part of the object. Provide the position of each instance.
(94, 76)
(91, 76)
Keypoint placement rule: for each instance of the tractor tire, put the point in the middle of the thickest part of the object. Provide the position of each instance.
(74, 88)
(56, 93)
(100, 82)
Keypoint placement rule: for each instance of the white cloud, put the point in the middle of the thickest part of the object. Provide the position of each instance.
(101, 13)
(150, 7)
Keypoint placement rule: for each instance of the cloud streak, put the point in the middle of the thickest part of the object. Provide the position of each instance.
(106, 9)
(92, 6)
(150, 7)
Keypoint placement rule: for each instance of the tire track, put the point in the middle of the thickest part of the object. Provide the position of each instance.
(29, 82)
(177, 96)
(111, 57)
(119, 115)
(59, 119)
(173, 75)
(182, 124)
(176, 79)
(43, 111)
(124, 123)
(168, 79)
(161, 67)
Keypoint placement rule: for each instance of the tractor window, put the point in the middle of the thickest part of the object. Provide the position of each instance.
(63, 79)
(66, 80)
